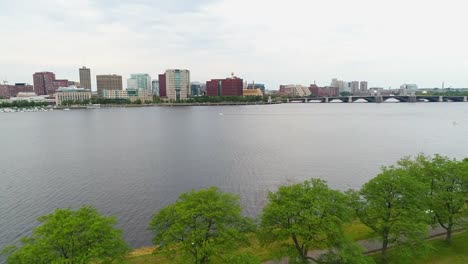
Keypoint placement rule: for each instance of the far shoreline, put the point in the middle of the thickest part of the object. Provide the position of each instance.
(61, 107)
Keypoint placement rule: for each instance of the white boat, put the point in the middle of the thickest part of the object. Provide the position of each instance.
(93, 106)
(66, 109)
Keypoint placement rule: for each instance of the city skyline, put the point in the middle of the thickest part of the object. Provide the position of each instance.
(295, 42)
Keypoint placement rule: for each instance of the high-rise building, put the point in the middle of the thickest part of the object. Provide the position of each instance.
(85, 78)
(363, 86)
(140, 81)
(177, 84)
(225, 87)
(344, 86)
(43, 82)
(155, 87)
(132, 84)
(354, 86)
(108, 82)
(162, 85)
(196, 89)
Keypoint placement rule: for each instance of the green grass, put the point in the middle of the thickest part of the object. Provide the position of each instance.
(357, 231)
(439, 252)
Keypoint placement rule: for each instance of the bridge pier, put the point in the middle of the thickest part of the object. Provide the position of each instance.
(287, 100)
(465, 98)
(350, 99)
(378, 99)
(326, 99)
(441, 99)
(412, 99)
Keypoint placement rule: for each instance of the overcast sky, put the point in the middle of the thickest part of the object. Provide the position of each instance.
(274, 42)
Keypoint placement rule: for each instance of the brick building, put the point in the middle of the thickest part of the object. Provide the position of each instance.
(323, 91)
(43, 82)
(57, 84)
(8, 91)
(108, 82)
(162, 85)
(225, 87)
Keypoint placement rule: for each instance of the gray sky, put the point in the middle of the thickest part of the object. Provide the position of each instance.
(267, 41)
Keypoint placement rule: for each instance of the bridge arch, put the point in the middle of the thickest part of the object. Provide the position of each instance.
(392, 100)
(360, 100)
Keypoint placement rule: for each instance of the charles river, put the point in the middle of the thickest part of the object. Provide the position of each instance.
(130, 162)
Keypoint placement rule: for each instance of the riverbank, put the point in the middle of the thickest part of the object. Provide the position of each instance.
(24, 109)
(166, 104)
(441, 251)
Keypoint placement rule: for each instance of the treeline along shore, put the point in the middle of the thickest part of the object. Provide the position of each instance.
(306, 222)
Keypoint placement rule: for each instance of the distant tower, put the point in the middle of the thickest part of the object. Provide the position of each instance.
(85, 78)
(43, 82)
(443, 85)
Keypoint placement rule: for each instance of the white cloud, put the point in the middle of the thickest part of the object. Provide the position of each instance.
(296, 41)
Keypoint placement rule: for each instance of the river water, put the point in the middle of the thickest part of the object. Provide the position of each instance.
(130, 162)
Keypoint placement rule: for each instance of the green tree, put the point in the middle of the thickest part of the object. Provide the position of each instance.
(200, 225)
(67, 236)
(391, 205)
(304, 216)
(446, 182)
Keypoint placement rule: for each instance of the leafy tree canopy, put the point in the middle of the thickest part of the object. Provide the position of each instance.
(304, 216)
(391, 205)
(68, 236)
(446, 183)
(200, 225)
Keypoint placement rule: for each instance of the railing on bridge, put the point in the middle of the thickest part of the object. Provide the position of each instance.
(381, 99)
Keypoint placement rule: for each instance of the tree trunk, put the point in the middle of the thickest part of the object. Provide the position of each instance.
(384, 248)
(448, 236)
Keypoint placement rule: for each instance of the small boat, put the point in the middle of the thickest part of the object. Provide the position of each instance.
(93, 106)
(66, 109)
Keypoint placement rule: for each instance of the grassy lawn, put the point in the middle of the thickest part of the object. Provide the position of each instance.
(356, 230)
(440, 252)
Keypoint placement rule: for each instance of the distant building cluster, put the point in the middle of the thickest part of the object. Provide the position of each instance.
(175, 85)
(172, 85)
(354, 87)
(312, 90)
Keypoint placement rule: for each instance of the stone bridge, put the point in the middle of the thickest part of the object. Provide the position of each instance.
(381, 99)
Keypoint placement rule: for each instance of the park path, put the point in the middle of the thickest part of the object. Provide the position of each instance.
(369, 245)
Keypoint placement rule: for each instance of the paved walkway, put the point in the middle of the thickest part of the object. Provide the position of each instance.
(369, 245)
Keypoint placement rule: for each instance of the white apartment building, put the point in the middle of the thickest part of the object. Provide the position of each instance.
(71, 93)
(177, 84)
